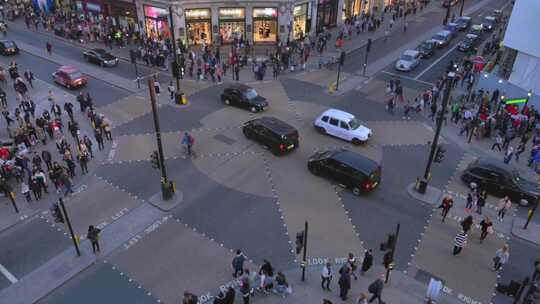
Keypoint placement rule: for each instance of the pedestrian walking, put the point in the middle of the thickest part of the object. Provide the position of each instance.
(446, 204)
(48, 46)
(367, 262)
(501, 257)
(83, 161)
(25, 190)
(498, 143)
(99, 138)
(536, 274)
(230, 295)
(220, 298)
(376, 289)
(326, 276)
(508, 155)
(352, 265)
(93, 236)
(504, 205)
(460, 241)
(238, 263)
(171, 89)
(344, 284)
(481, 201)
(520, 149)
(29, 76)
(486, 227)
(157, 86)
(188, 142)
(282, 286)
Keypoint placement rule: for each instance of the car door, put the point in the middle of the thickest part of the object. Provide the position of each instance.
(342, 174)
(236, 99)
(344, 130)
(60, 77)
(333, 127)
(328, 167)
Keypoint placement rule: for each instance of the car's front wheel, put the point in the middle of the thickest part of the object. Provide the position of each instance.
(247, 133)
(321, 130)
(356, 191)
(357, 142)
(314, 169)
(227, 101)
(253, 109)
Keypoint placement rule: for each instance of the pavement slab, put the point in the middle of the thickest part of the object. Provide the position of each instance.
(308, 92)
(99, 205)
(474, 264)
(400, 133)
(165, 277)
(126, 109)
(90, 285)
(321, 77)
(32, 244)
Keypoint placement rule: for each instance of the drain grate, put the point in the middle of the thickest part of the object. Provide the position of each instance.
(224, 139)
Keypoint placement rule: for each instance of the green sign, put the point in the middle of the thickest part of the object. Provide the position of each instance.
(515, 101)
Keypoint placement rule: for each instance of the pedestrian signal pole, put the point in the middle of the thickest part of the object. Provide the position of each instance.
(178, 95)
(340, 64)
(531, 214)
(133, 57)
(368, 49)
(167, 189)
(68, 222)
(301, 244)
(391, 263)
(461, 9)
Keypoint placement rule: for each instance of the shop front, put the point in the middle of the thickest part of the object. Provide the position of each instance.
(352, 8)
(91, 10)
(199, 26)
(300, 21)
(327, 12)
(265, 25)
(156, 22)
(124, 13)
(232, 24)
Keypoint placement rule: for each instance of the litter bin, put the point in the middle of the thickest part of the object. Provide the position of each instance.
(422, 186)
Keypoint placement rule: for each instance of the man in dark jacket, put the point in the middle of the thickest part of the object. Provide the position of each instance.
(367, 262)
(344, 283)
(376, 289)
(238, 263)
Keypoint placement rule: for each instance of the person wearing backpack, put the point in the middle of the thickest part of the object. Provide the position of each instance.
(93, 236)
(376, 288)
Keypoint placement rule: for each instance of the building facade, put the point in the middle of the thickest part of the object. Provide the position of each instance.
(258, 21)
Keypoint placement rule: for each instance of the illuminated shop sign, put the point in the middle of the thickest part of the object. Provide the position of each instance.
(197, 14)
(269, 12)
(231, 13)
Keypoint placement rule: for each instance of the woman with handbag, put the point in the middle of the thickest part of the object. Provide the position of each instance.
(486, 227)
(501, 257)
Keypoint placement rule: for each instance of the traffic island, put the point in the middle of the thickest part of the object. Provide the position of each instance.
(432, 195)
(530, 234)
(157, 201)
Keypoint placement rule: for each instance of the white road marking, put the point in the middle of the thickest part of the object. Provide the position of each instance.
(8, 274)
(435, 62)
(407, 77)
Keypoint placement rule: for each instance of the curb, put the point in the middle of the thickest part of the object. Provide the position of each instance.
(432, 196)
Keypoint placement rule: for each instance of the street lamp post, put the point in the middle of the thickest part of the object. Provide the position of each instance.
(447, 16)
(461, 9)
(448, 81)
(178, 95)
(531, 214)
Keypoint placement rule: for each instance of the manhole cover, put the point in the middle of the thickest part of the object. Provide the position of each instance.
(224, 139)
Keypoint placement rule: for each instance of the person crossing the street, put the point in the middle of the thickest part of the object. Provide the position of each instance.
(446, 204)
(93, 236)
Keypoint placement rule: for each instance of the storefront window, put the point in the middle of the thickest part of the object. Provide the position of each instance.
(300, 21)
(156, 23)
(199, 26)
(265, 25)
(232, 24)
(327, 12)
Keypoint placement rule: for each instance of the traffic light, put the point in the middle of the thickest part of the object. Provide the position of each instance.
(299, 242)
(154, 159)
(439, 154)
(388, 260)
(57, 214)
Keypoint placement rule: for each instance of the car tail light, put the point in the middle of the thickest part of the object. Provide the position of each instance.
(282, 147)
(367, 185)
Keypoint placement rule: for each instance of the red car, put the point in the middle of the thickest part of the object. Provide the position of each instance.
(69, 77)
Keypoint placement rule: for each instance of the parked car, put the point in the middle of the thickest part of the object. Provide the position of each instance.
(342, 125)
(452, 27)
(8, 47)
(101, 57)
(408, 61)
(477, 29)
(501, 179)
(69, 77)
(427, 48)
(470, 42)
(351, 169)
(276, 135)
(463, 23)
(442, 38)
(245, 97)
(489, 23)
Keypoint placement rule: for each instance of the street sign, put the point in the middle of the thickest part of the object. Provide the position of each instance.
(510, 101)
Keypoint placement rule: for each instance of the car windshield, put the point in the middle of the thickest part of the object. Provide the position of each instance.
(9, 44)
(438, 37)
(354, 123)
(75, 75)
(250, 94)
(406, 57)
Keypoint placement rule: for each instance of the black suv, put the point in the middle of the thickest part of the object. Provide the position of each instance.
(351, 169)
(278, 136)
(245, 97)
(8, 47)
(427, 48)
(501, 180)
